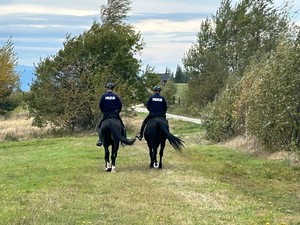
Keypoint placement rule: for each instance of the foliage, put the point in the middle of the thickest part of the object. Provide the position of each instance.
(270, 102)
(180, 107)
(204, 70)
(226, 44)
(9, 79)
(169, 91)
(150, 78)
(217, 117)
(243, 71)
(68, 85)
(115, 11)
(180, 76)
(264, 104)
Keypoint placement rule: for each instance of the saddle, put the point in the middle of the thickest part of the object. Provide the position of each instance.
(111, 117)
(158, 116)
(105, 118)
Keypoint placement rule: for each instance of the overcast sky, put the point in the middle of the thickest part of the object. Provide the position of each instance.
(169, 27)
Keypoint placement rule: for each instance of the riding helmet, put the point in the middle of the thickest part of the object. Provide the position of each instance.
(110, 86)
(157, 88)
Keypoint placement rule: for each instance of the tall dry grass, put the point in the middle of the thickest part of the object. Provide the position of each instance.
(251, 146)
(19, 127)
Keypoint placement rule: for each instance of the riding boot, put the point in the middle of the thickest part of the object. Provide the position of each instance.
(124, 132)
(140, 135)
(99, 142)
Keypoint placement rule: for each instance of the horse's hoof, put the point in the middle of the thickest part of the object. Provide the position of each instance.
(108, 169)
(113, 169)
(155, 165)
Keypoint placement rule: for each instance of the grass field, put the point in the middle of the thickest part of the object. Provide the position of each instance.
(62, 181)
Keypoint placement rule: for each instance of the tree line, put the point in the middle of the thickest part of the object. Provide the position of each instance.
(242, 73)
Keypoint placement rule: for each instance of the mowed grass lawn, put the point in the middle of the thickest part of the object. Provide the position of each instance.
(62, 181)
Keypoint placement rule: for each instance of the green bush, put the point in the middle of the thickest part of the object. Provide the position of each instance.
(265, 103)
(218, 117)
(271, 98)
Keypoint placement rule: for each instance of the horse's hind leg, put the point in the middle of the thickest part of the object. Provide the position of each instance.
(153, 154)
(114, 154)
(155, 160)
(106, 158)
(150, 155)
(161, 154)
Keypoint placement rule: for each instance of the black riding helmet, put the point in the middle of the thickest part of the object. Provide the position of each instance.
(157, 88)
(110, 86)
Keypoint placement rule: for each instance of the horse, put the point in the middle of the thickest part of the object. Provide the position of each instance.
(156, 133)
(111, 135)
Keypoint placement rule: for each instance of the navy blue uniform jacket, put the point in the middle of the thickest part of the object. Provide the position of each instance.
(157, 105)
(110, 104)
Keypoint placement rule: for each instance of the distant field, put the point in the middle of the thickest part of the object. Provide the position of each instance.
(62, 181)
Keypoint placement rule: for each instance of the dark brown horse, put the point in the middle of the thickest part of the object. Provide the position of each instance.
(112, 135)
(156, 133)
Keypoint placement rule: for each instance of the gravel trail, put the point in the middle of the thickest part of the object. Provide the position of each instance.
(141, 108)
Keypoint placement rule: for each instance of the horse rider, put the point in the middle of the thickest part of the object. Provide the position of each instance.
(110, 105)
(157, 107)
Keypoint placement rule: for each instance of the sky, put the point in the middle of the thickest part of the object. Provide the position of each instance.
(38, 28)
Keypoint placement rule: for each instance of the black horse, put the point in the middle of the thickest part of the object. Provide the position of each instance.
(156, 133)
(111, 134)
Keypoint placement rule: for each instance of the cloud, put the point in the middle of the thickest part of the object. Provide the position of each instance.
(174, 6)
(167, 26)
(166, 49)
(36, 36)
(45, 10)
(160, 51)
(167, 40)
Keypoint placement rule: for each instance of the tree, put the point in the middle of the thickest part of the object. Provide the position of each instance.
(150, 78)
(207, 74)
(116, 11)
(270, 98)
(252, 51)
(68, 85)
(265, 103)
(226, 44)
(169, 91)
(9, 79)
(180, 76)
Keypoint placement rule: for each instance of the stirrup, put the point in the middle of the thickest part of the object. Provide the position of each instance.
(139, 136)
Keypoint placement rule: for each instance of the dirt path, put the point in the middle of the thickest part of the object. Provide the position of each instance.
(141, 108)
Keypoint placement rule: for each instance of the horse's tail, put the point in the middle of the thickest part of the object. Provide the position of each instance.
(176, 142)
(118, 135)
